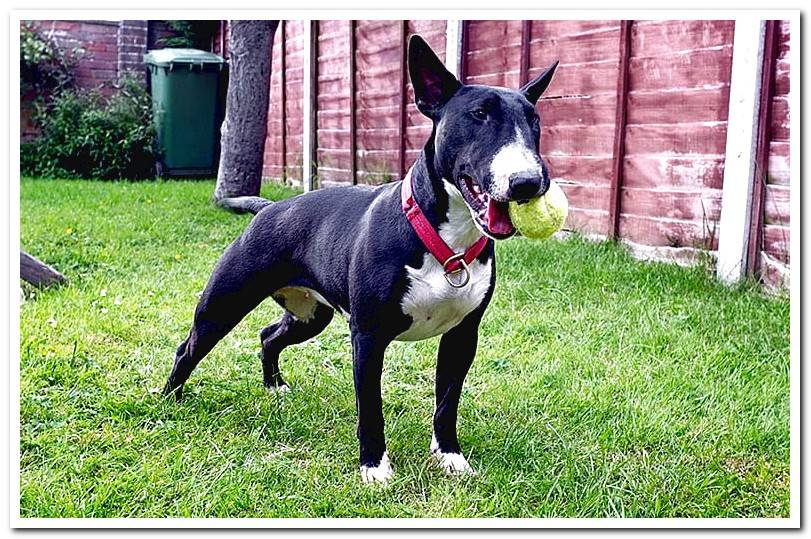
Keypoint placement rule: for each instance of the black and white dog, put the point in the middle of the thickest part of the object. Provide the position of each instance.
(355, 250)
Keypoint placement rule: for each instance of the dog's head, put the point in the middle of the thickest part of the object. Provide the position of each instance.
(486, 139)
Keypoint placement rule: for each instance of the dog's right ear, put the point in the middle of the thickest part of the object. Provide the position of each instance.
(534, 88)
(433, 84)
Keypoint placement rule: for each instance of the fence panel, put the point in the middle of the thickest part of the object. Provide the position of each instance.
(775, 254)
(378, 57)
(333, 155)
(676, 132)
(578, 112)
(417, 126)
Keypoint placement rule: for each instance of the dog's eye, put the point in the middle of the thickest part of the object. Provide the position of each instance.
(479, 114)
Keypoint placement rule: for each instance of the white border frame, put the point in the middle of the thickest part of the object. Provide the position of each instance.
(793, 521)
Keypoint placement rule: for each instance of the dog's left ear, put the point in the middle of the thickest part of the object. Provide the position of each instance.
(534, 88)
(433, 84)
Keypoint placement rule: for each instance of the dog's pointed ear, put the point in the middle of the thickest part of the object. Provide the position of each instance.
(534, 88)
(433, 84)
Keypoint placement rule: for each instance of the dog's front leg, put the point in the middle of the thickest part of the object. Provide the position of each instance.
(368, 350)
(457, 348)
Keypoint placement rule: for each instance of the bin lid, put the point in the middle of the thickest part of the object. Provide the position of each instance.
(167, 57)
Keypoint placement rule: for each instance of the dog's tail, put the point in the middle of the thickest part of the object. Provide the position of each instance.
(245, 204)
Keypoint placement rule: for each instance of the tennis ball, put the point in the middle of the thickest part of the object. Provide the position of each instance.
(542, 216)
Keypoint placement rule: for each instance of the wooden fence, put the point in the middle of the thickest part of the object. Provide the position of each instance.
(634, 124)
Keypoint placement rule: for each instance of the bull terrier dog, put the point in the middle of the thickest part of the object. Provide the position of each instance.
(408, 260)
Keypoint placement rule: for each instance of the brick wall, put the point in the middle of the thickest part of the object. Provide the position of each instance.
(132, 44)
(95, 44)
(105, 50)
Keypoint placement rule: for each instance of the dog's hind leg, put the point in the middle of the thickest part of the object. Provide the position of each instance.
(287, 331)
(201, 339)
(232, 292)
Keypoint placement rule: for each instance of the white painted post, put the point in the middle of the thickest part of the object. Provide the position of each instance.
(310, 88)
(739, 166)
(453, 46)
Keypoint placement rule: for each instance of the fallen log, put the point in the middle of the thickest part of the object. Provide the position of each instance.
(38, 273)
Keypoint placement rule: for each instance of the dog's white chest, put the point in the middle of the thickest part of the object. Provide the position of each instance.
(434, 305)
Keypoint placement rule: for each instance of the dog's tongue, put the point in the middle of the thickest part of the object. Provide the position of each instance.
(498, 218)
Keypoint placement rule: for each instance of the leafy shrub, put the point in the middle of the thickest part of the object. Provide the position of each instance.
(45, 67)
(28, 157)
(87, 135)
(190, 34)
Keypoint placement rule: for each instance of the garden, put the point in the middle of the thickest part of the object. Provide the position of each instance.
(603, 386)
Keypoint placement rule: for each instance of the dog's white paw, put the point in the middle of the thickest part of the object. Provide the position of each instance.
(453, 463)
(377, 474)
(278, 390)
(450, 463)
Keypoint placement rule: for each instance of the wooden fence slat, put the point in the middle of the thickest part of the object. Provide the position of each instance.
(353, 109)
(623, 71)
(464, 46)
(283, 94)
(401, 143)
(770, 52)
(310, 104)
(526, 35)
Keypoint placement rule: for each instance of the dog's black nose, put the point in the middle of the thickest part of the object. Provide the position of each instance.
(525, 186)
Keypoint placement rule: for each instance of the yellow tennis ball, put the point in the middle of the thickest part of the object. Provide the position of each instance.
(542, 216)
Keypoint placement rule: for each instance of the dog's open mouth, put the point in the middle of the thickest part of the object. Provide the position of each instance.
(492, 215)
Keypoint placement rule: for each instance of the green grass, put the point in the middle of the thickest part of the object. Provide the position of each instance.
(602, 387)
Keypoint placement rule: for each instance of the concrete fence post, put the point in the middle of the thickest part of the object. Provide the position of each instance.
(741, 148)
(453, 47)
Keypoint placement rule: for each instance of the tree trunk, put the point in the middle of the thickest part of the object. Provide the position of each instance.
(244, 129)
(38, 273)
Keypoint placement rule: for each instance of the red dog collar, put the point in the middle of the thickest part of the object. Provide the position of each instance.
(453, 263)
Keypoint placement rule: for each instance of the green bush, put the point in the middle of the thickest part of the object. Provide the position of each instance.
(45, 66)
(88, 135)
(190, 34)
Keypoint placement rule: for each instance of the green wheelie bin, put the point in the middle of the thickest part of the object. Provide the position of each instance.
(188, 97)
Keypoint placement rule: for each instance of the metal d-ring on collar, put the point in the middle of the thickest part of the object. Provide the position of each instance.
(463, 268)
(434, 244)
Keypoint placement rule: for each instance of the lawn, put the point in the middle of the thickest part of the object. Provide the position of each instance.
(603, 386)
